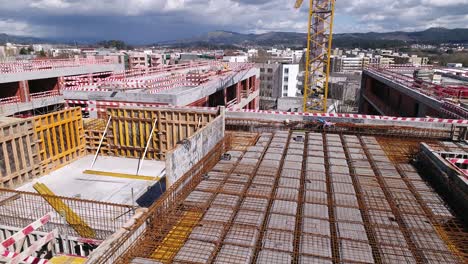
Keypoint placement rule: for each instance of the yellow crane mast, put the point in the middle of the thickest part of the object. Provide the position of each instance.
(319, 40)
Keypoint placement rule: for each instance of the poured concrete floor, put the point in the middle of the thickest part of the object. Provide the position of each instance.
(70, 180)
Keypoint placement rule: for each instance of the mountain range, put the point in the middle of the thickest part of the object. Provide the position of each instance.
(364, 40)
(292, 39)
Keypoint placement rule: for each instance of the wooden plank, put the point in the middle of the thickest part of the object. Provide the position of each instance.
(6, 158)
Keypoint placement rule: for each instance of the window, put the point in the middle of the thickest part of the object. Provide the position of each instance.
(285, 94)
(286, 70)
(285, 88)
(262, 69)
(270, 70)
(269, 86)
(269, 78)
(262, 78)
(286, 79)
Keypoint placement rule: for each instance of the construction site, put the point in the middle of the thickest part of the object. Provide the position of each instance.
(213, 185)
(176, 164)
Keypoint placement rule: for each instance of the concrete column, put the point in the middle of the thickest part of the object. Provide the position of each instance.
(225, 96)
(238, 91)
(247, 85)
(23, 91)
(60, 84)
(254, 82)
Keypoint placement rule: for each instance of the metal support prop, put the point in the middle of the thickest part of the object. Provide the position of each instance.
(140, 161)
(100, 141)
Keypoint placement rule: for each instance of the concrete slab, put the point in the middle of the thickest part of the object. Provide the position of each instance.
(70, 180)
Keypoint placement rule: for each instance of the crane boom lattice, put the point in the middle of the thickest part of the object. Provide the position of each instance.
(319, 39)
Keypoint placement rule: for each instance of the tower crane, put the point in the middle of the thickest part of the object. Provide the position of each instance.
(317, 65)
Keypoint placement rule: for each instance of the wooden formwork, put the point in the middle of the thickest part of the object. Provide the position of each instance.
(19, 160)
(94, 129)
(130, 129)
(60, 136)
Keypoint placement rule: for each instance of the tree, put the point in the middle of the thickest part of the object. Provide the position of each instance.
(42, 53)
(30, 49)
(118, 44)
(23, 51)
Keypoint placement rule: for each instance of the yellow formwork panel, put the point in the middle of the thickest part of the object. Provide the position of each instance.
(130, 129)
(74, 220)
(67, 260)
(175, 239)
(60, 136)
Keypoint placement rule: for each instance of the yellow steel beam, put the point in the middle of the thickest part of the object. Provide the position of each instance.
(176, 238)
(74, 220)
(121, 175)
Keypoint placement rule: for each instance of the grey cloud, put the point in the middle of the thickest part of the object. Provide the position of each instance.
(153, 20)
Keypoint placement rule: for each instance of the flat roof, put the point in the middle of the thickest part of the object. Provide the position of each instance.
(71, 181)
(304, 197)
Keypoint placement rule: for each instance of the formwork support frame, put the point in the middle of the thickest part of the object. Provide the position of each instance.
(100, 141)
(140, 161)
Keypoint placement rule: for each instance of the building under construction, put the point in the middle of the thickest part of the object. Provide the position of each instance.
(215, 185)
(195, 83)
(406, 90)
(34, 86)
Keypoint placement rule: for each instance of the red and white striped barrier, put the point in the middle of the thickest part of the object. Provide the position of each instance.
(10, 100)
(407, 119)
(25, 232)
(35, 246)
(46, 94)
(38, 65)
(29, 259)
(458, 161)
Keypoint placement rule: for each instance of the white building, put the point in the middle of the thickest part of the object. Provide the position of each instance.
(239, 58)
(289, 80)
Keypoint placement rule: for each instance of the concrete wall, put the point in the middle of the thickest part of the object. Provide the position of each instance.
(11, 109)
(65, 71)
(447, 181)
(191, 150)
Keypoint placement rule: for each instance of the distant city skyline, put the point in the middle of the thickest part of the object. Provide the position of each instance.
(147, 21)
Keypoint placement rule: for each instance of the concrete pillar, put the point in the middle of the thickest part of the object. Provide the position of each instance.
(254, 83)
(60, 84)
(225, 96)
(23, 91)
(238, 91)
(247, 85)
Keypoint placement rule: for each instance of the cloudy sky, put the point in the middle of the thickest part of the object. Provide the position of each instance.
(146, 21)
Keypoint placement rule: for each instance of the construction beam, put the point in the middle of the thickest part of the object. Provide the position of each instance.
(74, 220)
(121, 175)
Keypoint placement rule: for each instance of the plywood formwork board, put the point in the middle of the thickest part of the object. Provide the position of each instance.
(60, 136)
(18, 153)
(131, 128)
(19, 159)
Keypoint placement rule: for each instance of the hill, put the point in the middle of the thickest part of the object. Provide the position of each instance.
(363, 40)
